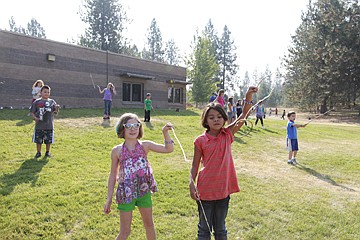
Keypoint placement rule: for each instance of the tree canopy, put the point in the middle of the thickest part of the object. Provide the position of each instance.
(323, 63)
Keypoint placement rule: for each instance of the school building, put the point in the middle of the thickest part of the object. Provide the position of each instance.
(73, 72)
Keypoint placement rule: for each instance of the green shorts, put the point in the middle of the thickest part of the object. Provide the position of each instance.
(143, 202)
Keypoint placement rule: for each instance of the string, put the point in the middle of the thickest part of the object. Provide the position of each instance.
(196, 190)
(182, 149)
(92, 80)
(319, 116)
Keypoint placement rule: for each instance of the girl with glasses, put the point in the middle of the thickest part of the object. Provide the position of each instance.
(131, 169)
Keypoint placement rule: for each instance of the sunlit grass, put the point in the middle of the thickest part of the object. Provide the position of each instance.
(62, 197)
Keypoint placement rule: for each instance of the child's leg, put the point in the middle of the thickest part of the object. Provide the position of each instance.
(221, 209)
(109, 108)
(149, 115)
(294, 154)
(257, 119)
(48, 145)
(38, 147)
(262, 121)
(146, 215)
(125, 225)
(290, 155)
(204, 233)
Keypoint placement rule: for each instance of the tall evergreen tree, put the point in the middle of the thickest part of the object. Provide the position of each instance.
(35, 29)
(325, 55)
(172, 53)
(202, 69)
(226, 59)
(154, 49)
(106, 21)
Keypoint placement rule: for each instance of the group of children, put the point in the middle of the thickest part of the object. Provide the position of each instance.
(211, 187)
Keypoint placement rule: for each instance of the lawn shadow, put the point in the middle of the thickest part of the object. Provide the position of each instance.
(322, 177)
(239, 139)
(27, 173)
(24, 121)
(149, 125)
(105, 123)
(270, 131)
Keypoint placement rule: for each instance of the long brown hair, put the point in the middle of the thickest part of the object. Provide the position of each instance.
(215, 106)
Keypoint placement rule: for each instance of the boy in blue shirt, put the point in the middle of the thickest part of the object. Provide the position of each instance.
(291, 138)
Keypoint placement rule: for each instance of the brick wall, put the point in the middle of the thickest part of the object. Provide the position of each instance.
(23, 60)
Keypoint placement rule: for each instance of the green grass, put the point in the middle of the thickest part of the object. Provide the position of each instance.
(62, 197)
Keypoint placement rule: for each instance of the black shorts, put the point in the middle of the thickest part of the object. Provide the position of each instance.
(46, 136)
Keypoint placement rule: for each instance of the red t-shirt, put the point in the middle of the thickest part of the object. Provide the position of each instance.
(217, 178)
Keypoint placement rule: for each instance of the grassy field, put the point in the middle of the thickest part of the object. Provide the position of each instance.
(62, 197)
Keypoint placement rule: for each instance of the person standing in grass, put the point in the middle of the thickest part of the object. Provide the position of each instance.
(42, 110)
(220, 97)
(217, 178)
(260, 114)
(291, 137)
(148, 106)
(132, 170)
(108, 94)
(36, 88)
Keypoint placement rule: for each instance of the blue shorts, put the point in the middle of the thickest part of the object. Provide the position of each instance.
(292, 145)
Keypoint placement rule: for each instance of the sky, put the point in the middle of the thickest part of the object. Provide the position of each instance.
(261, 29)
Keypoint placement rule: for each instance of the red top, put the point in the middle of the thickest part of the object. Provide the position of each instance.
(217, 179)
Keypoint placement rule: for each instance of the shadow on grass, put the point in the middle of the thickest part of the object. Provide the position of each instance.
(322, 177)
(105, 123)
(27, 173)
(24, 121)
(149, 125)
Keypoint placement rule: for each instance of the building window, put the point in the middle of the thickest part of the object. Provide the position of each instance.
(175, 95)
(132, 92)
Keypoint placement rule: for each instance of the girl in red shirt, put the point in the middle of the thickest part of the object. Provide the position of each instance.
(217, 178)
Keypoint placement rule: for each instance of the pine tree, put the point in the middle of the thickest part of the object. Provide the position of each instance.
(154, 49)
(106, 21)
(202, 69)
(172, 53)
(226, 59)
(323, 62)
(35, 29)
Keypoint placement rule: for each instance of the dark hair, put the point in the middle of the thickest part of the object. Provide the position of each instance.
(221, 91)
(290, 113)
(216, 107)
(120, 130)
(45, 87)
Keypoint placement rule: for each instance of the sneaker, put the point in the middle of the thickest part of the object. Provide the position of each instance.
(47, 154)
(263, 127)
(38, 154)
(294, 162)
(290, 161)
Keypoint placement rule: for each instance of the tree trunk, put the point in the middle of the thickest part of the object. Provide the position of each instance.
(323, 107)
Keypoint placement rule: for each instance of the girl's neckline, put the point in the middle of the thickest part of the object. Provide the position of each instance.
(213, 134)
(131, 147)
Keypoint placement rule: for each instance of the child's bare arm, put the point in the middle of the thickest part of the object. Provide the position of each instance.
(299, 125)
(193, 173)
(112, 178)
(168, 145)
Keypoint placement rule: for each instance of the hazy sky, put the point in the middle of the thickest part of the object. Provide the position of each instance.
(261, 29)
